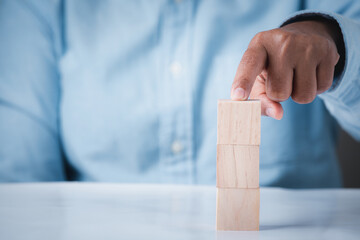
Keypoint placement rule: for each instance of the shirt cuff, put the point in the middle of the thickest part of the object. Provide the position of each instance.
(346, 85)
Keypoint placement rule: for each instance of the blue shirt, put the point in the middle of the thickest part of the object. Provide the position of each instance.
(127, 91)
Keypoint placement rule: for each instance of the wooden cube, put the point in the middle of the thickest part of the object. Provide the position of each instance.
(237, 166)
(237, 209)
(239, 122)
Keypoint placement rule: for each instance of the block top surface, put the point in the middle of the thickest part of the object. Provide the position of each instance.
(239, 122)
(249, 101)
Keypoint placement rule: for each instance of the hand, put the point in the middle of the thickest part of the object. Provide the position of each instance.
(296, 60)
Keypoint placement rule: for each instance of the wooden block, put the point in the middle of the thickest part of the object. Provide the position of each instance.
(239, 122)
(237, 166)
(237, 209)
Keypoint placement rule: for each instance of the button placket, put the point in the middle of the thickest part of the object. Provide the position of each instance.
(175, 103)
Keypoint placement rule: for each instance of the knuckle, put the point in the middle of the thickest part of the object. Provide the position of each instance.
(285, 50)
(326, 45)
(258, 38)
(285, 43)
(329, 47)
(320, 47)
(336, 57)
(310, 51)
(333, 55)
(312, 48)
(278, 33)
(284, 37)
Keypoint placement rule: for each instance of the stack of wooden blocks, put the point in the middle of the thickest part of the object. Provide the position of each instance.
(238, 194)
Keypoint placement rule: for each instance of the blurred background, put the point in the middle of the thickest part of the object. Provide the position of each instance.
(349, 157)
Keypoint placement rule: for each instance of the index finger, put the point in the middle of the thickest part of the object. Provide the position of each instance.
(251, 65)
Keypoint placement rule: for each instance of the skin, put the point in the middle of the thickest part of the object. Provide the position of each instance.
(296, 60)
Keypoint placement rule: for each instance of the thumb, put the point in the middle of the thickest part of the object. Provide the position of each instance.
(268, 107)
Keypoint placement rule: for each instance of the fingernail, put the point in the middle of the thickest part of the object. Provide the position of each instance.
(239, 93)
(270, 112)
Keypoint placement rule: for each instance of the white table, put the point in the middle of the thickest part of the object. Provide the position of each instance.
(115, 211)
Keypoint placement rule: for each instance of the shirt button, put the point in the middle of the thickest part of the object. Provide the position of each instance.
(175, 69)
(176, 147)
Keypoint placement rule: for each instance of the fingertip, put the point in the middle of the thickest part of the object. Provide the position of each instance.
(279, 112)
(273, 113)
(270, 112)
(272, 109)
(238, 94)
(279, 115)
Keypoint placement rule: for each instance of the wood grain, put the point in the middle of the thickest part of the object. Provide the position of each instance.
(237, 166)
(237, 209)
(239, 122)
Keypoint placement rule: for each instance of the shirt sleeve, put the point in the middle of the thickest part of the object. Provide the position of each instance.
(343, 98)
(30, 46)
